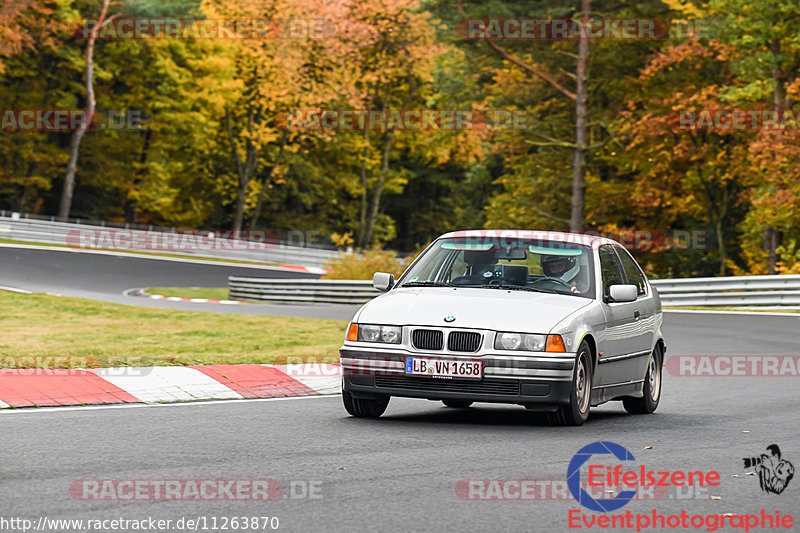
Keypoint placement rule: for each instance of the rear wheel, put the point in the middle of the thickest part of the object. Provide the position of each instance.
(576, 412)
(364, 407)
(457, 404)
(651, 388)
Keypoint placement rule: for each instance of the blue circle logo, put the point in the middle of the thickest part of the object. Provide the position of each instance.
(602, 505)
(449, 318)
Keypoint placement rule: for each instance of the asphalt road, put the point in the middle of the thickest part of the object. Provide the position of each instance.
(399, 473)
(106, 277)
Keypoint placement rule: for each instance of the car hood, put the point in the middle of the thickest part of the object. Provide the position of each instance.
(494, 309)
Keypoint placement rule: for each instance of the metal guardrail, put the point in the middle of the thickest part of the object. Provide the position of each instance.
(733, 291)
(40, 231)
(301, 291)
(738, 291)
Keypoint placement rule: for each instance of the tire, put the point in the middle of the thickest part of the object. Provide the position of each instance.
(457, 404)
(651, 387)
(364, 408)
(576, 412)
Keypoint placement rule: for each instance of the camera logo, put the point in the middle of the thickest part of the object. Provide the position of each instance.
(774, 473)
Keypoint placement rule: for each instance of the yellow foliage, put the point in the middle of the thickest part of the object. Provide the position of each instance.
(364, 265)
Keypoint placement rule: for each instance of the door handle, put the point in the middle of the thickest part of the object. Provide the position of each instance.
(636, 315)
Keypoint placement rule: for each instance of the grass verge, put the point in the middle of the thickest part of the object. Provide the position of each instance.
(75, 332)
(191, 292)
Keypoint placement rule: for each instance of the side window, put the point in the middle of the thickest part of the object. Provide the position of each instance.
(632, 271)
(610, 268)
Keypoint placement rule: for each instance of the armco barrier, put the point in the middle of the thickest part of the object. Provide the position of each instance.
(733, 291)
(54, 232)
(739, 291)
(301, 291)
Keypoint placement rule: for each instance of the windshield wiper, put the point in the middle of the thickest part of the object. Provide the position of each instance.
(518, 288)
(426, 284)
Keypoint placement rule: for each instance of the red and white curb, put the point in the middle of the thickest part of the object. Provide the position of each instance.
(309, 270)
(141, 293)
(164, 384)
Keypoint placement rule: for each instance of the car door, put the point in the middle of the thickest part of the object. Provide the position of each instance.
(645, 322)
(621, 344)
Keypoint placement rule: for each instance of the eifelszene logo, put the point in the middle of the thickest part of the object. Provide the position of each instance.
(614, 477)
(774, 472)
(602, 505)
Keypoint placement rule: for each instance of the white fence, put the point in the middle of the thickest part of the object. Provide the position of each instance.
(740, 291)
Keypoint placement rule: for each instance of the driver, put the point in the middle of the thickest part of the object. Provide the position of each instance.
(564, 268)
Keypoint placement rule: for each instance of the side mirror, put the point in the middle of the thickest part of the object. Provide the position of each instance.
(623, 293)
(383, 281)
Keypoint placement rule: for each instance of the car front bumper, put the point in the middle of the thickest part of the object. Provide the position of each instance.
(537, 382)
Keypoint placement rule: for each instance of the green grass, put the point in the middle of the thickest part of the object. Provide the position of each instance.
(86, 333)
(193, 292)
(144, 253)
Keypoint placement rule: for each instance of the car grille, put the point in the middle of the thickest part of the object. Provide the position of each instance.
(485, 386)
(464, 341)
(427, 339)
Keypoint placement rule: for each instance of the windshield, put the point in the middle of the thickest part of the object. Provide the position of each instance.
(522, 264)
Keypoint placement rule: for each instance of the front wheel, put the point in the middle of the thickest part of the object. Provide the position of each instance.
(457, 404)
(651, 388)
(576, 412)
(364, 407)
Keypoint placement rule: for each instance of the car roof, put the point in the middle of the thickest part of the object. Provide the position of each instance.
(558, 236)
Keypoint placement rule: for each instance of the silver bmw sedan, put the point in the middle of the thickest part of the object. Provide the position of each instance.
(555, 322)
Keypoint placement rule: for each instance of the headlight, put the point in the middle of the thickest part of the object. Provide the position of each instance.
(372, 333)
(520, 341)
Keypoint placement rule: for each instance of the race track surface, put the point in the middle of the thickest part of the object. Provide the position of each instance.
(106, 277)
(400, 473)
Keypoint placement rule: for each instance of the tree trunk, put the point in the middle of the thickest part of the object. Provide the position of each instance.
(362, 220)
(267, 180)
(374, 207)
(777, 104)
(773, 255)
(245, 169)
(376, 196)
(579, 155)
(26, 191)
(720, 227)
(132, 207)
(75, 145)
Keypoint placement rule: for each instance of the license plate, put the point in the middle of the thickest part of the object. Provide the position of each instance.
(439, 368)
